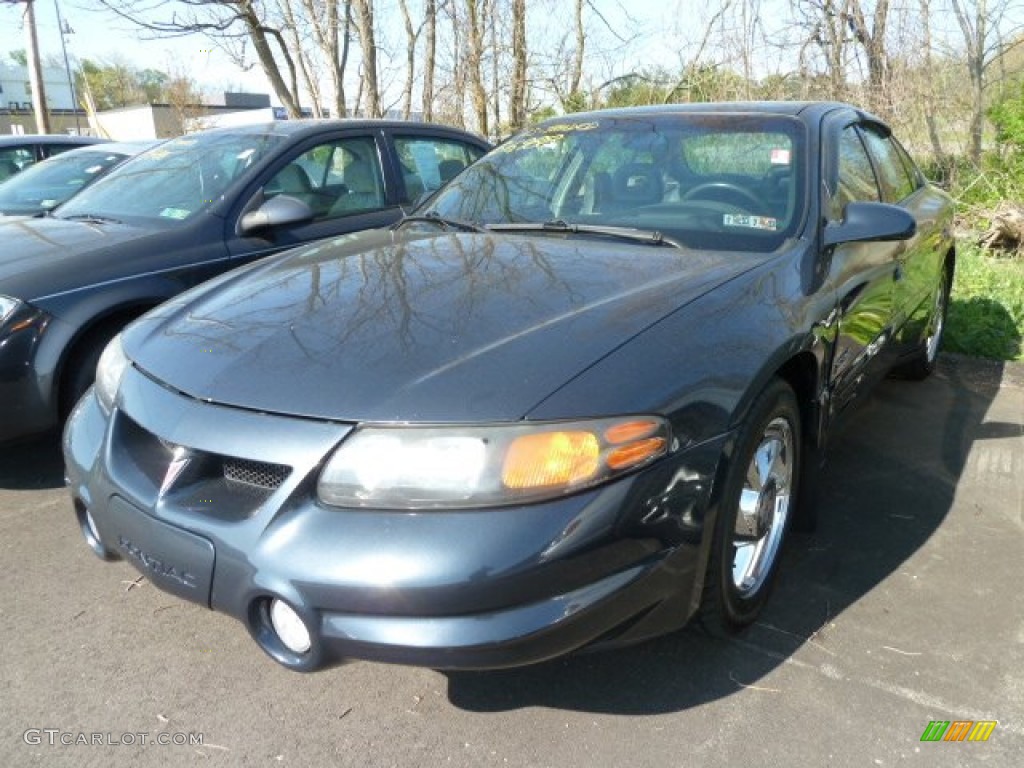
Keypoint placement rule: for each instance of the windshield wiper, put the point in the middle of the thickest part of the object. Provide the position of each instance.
(559, 226)
(91, 218)
(435, 218)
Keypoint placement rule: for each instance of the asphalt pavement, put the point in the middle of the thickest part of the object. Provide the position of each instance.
(904, 607)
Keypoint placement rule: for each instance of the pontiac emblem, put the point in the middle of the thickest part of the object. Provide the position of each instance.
(180, 459)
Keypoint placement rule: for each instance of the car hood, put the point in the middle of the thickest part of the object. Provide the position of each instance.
(34, 251)
(388, 326)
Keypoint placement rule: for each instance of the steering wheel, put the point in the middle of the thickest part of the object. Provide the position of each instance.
(725, 192)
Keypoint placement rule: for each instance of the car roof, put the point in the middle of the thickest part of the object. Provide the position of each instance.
(314, 126)
(805, 110)
(48, 138)
(126, 148)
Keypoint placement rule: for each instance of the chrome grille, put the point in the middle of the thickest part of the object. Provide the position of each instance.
(255, 473)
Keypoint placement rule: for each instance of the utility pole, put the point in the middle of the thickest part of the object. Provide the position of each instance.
(35, 71)
(65, 29)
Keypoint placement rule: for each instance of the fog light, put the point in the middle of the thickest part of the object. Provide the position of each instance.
(289, 627)
(91, 524)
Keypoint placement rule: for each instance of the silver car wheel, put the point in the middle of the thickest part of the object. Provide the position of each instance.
(938, 320)
(763, 508)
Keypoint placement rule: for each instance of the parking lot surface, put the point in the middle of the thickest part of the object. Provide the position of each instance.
(905, 607)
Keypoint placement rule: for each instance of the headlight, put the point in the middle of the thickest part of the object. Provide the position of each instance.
(457, 467)
(109, 372)
(7, 307)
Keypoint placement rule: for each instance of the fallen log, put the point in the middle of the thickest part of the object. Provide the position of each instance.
(1006, 230)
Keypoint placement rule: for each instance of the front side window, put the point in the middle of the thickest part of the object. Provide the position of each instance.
(175, 180)
(856, 182)
(335, 178)
(728, 181)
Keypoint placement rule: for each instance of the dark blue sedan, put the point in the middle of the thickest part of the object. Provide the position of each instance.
(575, 400)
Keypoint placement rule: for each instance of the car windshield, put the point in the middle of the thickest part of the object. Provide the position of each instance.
(173, 181)
(726, 181)
(51, 182)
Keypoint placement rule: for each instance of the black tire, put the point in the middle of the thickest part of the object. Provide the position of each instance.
(922, 363)
(746, 547)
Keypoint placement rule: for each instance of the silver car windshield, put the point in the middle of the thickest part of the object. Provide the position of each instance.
(726, 181)
(173, 181)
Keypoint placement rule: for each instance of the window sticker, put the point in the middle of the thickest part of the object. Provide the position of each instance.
(780, 156)
(750, 222)
(174, 213)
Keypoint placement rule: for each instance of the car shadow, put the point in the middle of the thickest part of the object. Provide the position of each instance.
(883, 494)
(32, 464)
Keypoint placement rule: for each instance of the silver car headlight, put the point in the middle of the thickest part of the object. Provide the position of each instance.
(410, 467)
(7, 307)
(109, 372)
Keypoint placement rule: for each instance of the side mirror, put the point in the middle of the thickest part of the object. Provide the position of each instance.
(275, 212)
(870, 222)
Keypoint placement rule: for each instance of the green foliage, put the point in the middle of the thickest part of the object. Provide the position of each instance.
(540, 115)
(986, 312)
(117, 84)
(1007, 116)
(1000, 177)
(19, 57)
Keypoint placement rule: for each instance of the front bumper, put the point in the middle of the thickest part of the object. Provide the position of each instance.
(468, 589)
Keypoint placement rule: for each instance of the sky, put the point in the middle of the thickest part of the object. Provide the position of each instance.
(102, 36)
(660, 32)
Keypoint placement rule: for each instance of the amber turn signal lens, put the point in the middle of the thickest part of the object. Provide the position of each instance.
(551, 459)
(636, 453)
(628, 431)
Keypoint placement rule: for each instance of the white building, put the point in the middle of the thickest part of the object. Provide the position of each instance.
(16, 94)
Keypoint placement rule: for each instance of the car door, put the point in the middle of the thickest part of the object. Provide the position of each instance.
(861, 274)
(920, 260)
(343, 177)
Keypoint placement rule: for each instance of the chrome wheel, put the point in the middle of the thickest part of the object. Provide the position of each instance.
(764, 506)
(938, 320)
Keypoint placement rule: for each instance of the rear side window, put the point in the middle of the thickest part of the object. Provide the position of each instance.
(428, 163)
(895, 182)
(15, 159)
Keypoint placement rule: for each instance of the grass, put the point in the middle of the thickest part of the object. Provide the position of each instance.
(986, 311)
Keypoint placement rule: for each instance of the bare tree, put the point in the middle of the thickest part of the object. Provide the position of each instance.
(475, 25)
(929, 111)
(229, 23)
(302, 56)
(429, 58)
(517, 98)
(322, 19)
(412, 36)
(985, 42)
(369, 86)
(872, 40)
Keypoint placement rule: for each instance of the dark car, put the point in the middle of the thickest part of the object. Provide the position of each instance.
(575, 400)
(46, 185)
(179, 214)
(18, 152)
